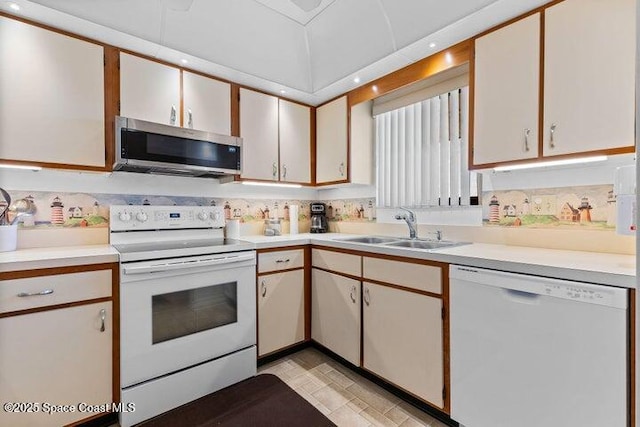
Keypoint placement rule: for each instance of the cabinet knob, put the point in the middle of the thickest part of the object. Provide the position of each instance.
(103, 317)
(526, 139)
(552, 143)
(172, 116)
(367, 296)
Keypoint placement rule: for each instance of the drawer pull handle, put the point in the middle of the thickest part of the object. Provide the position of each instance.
(282, 260)
(352, 294)
(527, 132)
(367, 297)
(103, 317)
(35, 294)
(552, 143)
(264, 289)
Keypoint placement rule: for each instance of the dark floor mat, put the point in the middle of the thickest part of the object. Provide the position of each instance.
(261, 401)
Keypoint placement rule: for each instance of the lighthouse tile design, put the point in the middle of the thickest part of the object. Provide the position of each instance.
(587, 206)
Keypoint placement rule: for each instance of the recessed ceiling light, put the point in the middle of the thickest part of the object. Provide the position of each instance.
(356, 79)
(432, 45)
(14, 6)
(282, 91)
(184, 61)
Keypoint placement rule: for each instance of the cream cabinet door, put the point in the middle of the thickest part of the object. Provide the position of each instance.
(280, 310)
(259, 132)
(52, 89)
(361, 140)
(295, 142)
(589, 78)
(331, 141)
(402, 340)
(149, 90)
(335, 314)
(207, 104)
(506, 92)
(59, 357)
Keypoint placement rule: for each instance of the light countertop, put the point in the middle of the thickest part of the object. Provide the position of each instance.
(29, 259)
(591, 267)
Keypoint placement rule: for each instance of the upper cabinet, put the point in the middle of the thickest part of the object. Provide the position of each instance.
(207, 104)
(588, 77)
(52, 105)
(151, 91)
(332, 142)
(276, 138)
(506, 90)
(344, 150)
(295, 142)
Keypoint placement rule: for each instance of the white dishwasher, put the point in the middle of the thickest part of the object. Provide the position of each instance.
(530, 351)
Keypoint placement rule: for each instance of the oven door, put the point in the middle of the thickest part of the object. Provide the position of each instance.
(177, 313)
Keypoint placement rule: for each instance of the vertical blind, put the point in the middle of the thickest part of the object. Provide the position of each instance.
(422, 153)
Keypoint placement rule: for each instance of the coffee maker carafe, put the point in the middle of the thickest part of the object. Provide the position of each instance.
(319, 222)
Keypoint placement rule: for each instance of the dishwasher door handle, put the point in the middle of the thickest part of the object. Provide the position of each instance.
(522, 297)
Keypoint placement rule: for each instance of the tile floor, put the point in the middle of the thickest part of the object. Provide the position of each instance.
(346, 398)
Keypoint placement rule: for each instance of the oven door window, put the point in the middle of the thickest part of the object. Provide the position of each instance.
(178, 314)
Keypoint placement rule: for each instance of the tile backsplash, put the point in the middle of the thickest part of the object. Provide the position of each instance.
(581, 207)
(91, 210)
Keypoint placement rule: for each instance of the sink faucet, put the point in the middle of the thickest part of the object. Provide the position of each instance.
(410, 219)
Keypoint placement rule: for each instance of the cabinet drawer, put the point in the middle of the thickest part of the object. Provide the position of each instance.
(337, 261)
(56, 289)
(417, 276)
(280, 260)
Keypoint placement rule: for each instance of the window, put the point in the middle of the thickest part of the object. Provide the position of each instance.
(422, 154)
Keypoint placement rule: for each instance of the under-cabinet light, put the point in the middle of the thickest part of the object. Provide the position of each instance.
(551, 163)
(271, 184)
(26, 167)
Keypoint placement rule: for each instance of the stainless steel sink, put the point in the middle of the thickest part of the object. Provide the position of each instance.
(372, 240)
(425, 244)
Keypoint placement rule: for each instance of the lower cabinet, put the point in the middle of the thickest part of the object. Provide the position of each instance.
(56, 357)
(280, 310)
(402, 340)
(335, 314)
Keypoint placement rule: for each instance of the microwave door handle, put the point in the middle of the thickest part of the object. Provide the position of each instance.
(159, 268)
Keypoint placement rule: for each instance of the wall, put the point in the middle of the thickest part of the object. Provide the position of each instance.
(353, 207)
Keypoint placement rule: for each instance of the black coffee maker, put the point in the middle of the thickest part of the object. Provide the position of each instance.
(319, 222)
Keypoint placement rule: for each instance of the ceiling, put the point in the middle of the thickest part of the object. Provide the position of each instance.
(309, 49)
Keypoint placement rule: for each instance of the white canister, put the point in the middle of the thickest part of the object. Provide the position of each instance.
(8, 237)
(232, 229)
(293, 216)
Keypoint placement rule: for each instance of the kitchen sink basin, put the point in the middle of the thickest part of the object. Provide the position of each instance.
(425, 244)
(372, 240)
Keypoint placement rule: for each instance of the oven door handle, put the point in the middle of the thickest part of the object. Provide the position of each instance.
(182, 265)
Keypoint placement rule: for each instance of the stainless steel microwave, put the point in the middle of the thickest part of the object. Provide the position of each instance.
(148, 147)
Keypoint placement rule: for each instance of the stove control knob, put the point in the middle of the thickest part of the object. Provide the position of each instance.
(215, 216)
(124, 216)
(203, 216)
(142, 216)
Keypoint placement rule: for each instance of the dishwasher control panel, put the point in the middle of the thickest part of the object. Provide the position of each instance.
(583, 292)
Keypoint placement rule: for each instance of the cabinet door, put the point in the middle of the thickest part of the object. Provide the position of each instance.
(207, 104)
(295, 142)
(361, 140)
(52, 89)
(259, 132)
(506, 92)
(149, 90)
(589, 76)
(335, 314)
(331, 141)
(402, 338)
(280, 310)
(58, 356)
